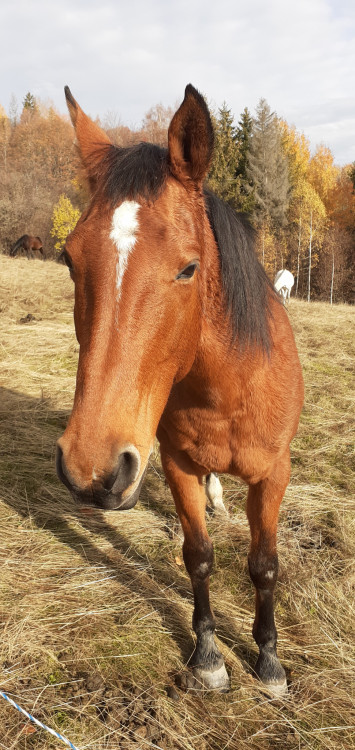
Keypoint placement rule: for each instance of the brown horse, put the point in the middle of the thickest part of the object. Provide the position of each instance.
(181, 336)
(27, 244)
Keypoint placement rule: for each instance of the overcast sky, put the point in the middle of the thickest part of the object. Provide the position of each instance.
(125, 56)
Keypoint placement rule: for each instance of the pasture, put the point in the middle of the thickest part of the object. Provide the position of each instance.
(96, 609)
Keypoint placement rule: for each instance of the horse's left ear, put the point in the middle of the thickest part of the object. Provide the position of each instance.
(92, 141)
(190, 138)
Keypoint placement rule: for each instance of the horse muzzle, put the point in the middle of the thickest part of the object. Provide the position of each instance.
(118, 490)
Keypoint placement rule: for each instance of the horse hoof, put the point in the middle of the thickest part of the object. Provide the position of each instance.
(203, 679)
(272, 674)
(213, 680)
(277, 689)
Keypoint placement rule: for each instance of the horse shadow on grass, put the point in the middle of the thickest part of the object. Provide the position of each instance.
(24, 422)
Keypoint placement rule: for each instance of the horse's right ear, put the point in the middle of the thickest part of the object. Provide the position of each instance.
(190, 138)
(91, 139)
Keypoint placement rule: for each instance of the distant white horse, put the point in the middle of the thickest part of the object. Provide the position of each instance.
(283, 283)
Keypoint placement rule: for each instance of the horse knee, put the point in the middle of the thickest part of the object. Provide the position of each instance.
(263, 570)
(198, 557)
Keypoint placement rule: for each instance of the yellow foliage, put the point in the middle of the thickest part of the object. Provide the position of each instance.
(342, 209)
(322, 174)
(5, 127)
(266, 247)
(306, 200)
(297, 149)
(308, 215)
(64, 219)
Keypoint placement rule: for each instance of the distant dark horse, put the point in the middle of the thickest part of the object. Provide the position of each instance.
(29, 244)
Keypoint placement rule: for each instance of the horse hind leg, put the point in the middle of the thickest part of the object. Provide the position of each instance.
(214, 492)
(206, 662)
(263, 505)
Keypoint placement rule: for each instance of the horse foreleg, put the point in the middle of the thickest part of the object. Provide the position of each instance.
(207, 662)
(263, 505)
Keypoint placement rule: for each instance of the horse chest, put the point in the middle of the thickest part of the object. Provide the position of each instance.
(202, 438)
(214, 441)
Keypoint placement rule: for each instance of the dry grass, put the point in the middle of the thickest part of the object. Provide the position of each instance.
(96, 612)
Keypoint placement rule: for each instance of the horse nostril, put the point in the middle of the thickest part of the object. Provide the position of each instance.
(108, 481)
(62, 471)
(126, 470)
(124, 473)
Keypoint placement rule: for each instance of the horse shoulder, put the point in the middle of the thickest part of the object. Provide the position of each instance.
(237, 410)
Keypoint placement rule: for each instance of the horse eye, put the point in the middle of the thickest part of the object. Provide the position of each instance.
(188, 271)
(67, 261)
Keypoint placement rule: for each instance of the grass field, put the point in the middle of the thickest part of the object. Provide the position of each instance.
(96, 610)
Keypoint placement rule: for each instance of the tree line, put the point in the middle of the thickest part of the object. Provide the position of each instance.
(301, 204)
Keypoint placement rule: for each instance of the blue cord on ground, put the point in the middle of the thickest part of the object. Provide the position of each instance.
(37, 722)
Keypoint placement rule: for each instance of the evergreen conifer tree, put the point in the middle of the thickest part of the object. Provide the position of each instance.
(222, 178)
(29, 103)
(243, 137)
(267, 169)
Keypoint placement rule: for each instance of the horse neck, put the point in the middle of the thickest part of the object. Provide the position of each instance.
(215, 337)
(211, 282)
(19, 242)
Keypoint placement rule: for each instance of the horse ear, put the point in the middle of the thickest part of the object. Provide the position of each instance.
(91, 139)
(190, 138)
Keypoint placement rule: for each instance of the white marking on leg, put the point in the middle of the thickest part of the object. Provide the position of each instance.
(202, 569)
(124, 234)
(277, 689)
(217, 680)
(269, 574)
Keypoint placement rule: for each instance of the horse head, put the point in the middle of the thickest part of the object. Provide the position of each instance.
(136, 259)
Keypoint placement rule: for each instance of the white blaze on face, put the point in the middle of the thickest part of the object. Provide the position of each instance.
(124, 234)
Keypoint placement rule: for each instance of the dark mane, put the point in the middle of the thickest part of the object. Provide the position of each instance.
(140, 172)
(19, 242)
(247, 288)
(136, 172)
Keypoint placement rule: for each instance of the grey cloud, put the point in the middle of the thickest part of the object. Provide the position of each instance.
(127, 56)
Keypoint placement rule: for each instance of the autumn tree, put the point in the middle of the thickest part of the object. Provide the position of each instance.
(296, 148)
(341, 200)
(5, 133)
(119, 134)
(42, 146)
(308, 215)
(322, 174)
(334, 278)
(352, 174)
(155, 125)
(306, 212)
(40, 165)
